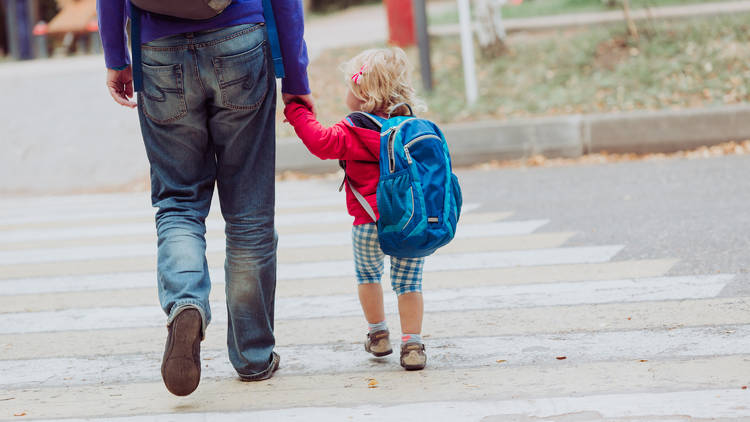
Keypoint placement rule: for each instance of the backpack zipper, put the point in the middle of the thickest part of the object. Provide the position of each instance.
(411, 190)
(408, 156)
(391, 157)
(391, 138)
(415, 140)
(421, 138)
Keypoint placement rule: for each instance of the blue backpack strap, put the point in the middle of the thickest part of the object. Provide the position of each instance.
(373, 120)
(273, 39)
(135, 45)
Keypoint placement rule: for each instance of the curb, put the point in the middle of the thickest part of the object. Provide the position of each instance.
(567, 136)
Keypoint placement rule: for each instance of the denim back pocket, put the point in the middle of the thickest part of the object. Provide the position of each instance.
(163, 95)
(243, 78)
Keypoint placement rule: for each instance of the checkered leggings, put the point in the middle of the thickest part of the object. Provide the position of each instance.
(406, 273)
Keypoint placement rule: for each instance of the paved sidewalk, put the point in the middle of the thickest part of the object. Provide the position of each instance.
(352, 27)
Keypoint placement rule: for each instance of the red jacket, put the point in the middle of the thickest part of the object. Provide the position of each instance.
(358, 147)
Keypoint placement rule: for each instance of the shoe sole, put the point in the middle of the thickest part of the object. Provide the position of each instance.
(381, 354)
(180, 371)
(413, 367)
(378, 354)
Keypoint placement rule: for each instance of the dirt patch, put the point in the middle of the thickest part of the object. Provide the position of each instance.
(611, 53)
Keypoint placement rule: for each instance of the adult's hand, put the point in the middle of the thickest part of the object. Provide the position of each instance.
(120, 85)
(307, 100)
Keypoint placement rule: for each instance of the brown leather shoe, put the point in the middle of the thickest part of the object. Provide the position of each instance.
(181, 365)
(413, 357)
(378, 343)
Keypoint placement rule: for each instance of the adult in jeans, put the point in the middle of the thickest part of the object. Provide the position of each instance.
(207, 115)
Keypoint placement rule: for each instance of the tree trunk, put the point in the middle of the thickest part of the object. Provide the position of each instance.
(490, 29)
(632, 29)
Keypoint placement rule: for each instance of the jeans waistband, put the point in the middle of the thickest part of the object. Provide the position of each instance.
(199, 37)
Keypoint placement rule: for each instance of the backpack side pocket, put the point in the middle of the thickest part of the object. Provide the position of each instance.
(397, 202)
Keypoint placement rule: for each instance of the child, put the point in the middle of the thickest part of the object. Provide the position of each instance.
(378, 80)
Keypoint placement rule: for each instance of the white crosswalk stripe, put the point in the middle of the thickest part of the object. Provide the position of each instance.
(436, 301)
(518, 325)
(475, 352)
(306, 240)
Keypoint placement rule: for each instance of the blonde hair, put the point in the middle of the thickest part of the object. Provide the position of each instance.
(384, 83)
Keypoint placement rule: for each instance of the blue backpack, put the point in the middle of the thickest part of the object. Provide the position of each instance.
(419, 199)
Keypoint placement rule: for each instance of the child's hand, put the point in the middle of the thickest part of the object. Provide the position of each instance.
(305, 100)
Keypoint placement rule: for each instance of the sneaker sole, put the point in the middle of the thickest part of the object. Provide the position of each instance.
(413, 367)
(180, 370)
(378, 354)
(381, 354)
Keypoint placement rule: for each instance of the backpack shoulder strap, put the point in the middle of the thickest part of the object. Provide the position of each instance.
(135, 46)
(273, 38)
(366, 120)
(362, 201)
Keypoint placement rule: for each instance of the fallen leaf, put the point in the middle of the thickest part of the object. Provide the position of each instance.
(561, 357)
(643, 360)
(629, 318)
(20, 414)
(372, 383)
(501, 361)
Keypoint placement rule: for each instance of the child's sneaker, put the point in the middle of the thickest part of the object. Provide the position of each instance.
(378, 343)
(413, 357)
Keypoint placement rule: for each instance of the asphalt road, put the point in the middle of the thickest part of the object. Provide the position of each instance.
(692, 210)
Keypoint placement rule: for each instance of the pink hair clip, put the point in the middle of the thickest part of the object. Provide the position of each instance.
(358, 75)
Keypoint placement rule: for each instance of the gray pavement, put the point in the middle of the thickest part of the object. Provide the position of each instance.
(580, 293)
(692, 209)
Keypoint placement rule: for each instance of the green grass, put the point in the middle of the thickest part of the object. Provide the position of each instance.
(676, 64)
(691, 63)
(530, 8)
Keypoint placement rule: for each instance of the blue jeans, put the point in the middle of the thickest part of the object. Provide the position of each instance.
(207, 115)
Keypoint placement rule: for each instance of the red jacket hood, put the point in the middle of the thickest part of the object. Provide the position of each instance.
(369, 139)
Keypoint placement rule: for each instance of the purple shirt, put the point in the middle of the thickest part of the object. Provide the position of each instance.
(289, 20)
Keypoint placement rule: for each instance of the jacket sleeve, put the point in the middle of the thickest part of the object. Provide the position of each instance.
(290, 22)
(335, 142)
(112, 15)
